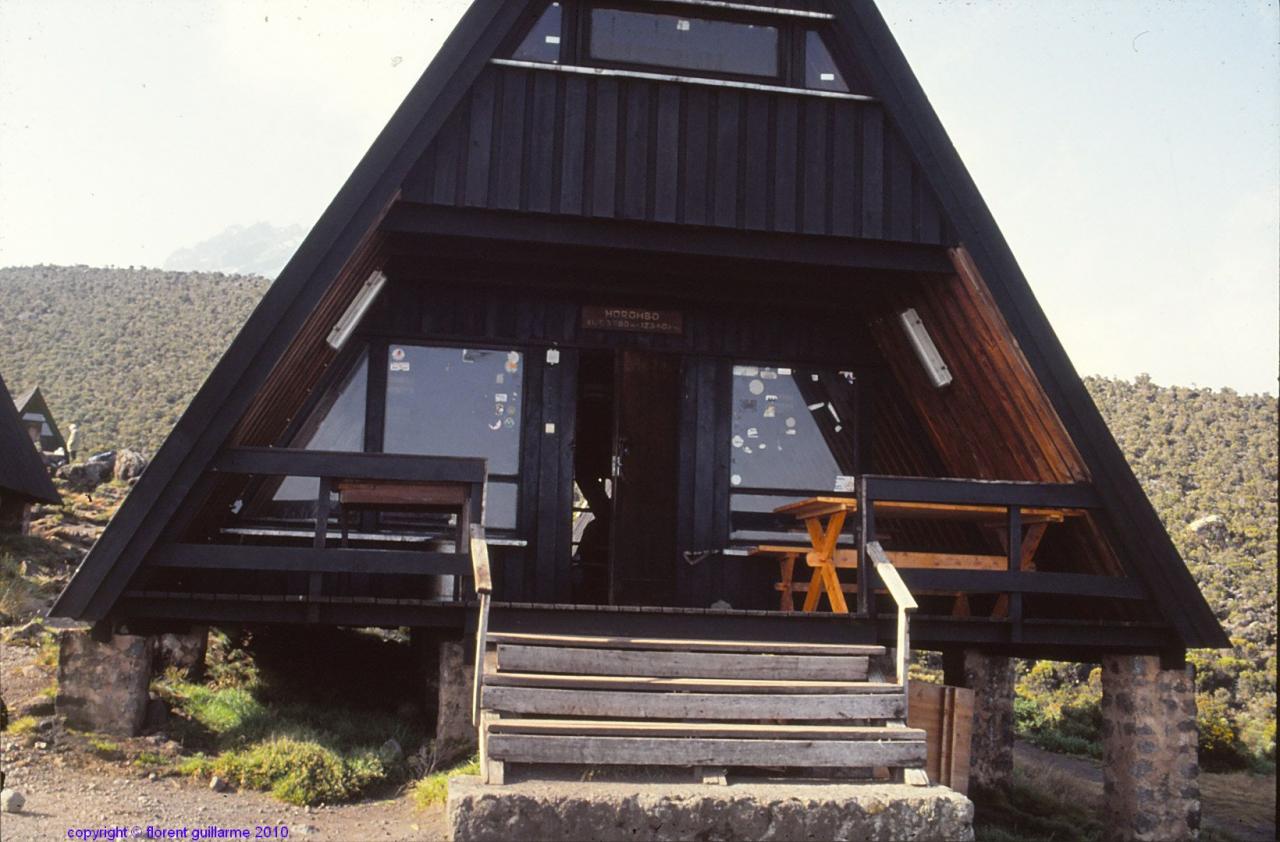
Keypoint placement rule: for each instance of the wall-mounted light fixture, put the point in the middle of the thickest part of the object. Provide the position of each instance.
(925, 349)
(356, 309)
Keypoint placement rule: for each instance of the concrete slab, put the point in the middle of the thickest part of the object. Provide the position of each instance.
(764, 810)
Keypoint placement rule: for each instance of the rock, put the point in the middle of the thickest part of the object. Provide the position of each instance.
(27, 634)
(217, 784)
(11, 801)
(1202, 523)
(129, 465)
(721, 605)
(391, 752)
(153, 777)
(183, 652)
(86, 476)
(303, 829)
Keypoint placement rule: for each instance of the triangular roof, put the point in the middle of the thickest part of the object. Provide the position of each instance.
(33, 401)
(862, 40)
(22, 471)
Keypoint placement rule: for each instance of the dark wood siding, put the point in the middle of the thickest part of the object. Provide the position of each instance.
(624, 148)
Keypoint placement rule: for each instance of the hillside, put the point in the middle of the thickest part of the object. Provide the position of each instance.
(120, 351)
(123, 350)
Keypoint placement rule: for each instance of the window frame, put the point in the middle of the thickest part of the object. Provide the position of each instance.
(575, 46)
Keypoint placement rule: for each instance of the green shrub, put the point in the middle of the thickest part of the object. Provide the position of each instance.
(1220, 747)
(23, 725)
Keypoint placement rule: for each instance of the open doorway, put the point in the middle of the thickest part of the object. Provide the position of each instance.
(625, 468)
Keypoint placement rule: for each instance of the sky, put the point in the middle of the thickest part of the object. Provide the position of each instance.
(1129, 149)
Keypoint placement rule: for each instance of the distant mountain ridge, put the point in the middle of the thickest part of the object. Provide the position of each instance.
(257, 249)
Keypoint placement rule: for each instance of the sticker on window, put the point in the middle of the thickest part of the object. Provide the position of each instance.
(846, 484)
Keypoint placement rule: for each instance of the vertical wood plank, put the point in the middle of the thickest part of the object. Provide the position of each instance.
(726, 190)
(573, 154)
(815, 166)
(506, 176)
(480, 140)
(604, 150)
(696, 139)
(755, 186)
(872, 172)
(549, 513)
(666, 173)
(786, 123)
(635, 144)
(844, 221)
(444, 189)
(542, 142)
(898, 163)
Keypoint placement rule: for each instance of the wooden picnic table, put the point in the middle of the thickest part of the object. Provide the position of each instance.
(824, 519)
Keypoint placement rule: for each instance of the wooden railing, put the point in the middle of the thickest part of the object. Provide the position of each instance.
(981, 496)
(450, 485)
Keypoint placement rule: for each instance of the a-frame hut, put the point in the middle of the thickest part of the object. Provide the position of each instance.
(24, 479)
(39, 421)
(674, 265)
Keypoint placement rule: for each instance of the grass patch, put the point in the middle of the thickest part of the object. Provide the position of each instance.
(23, 725)
(434, 788)
(254, 737)
(106, 749)
(150, 760)
(1035, 809)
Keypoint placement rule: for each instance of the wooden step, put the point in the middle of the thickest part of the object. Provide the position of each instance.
(671, 664)
(698, 751)
(691, 685)
(723, 705)
(740, 730)
(683, 645)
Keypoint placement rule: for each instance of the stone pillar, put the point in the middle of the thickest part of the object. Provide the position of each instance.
(103, 686)
(990, 677)
(1149, 740)
(455, 735)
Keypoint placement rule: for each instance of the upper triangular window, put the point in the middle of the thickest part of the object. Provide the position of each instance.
(820, 71)
(542, 43)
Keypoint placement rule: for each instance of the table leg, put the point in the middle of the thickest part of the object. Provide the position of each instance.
(788, 570)
(816, 586)
(834, 593)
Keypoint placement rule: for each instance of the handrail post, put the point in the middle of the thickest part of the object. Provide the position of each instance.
(484, 588)
(906, 602)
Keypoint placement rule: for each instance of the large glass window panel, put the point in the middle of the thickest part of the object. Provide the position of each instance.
(337, 423)
(820, 71)
(543, 41)
(784, 426)
(455, 402)
(685, 43)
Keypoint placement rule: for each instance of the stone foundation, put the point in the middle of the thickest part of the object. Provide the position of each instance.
(554, 810)
(991, 679)
(1150, 769)
(456, 736)
(103, 686)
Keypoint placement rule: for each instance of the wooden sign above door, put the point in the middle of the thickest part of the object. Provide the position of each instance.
(638, 319)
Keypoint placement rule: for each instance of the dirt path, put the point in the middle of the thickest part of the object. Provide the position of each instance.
(63, 793)
(1239, 804)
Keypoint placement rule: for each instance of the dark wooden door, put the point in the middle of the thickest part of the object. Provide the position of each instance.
(646, 463)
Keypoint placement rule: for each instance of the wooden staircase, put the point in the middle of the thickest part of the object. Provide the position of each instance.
(713, 705)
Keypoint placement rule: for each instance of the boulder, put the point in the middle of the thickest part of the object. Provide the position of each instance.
(184, 652)
(11, 801)
(129, 465)
(86, 476)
